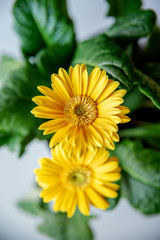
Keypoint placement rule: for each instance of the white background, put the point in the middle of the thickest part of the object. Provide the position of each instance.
(16, 177)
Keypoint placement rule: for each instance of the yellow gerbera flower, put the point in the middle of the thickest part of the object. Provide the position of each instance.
(84, 110)
(71, 181)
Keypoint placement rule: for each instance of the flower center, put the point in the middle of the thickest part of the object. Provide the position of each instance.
(79, 176)
(80, 110)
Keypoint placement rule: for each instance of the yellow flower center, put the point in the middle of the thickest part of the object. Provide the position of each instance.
(77, 178)
(80, 110)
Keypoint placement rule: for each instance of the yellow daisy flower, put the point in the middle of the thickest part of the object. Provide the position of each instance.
(85, 110)
(71, 181)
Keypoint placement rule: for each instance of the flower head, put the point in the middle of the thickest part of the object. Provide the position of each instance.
(84, 110)
(72, 181)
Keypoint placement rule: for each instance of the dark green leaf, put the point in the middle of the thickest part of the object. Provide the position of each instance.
(153, 46)
(133, 96)
(136, 25)
(43, 24)
(50, 59)
(103, 52)
(120, 8)
(143, 197)
(148, 87)
(153, 70)
(18, 86)
(142, 164)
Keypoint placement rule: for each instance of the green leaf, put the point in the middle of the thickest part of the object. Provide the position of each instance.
(56, 225)
(147, 131)
(152, 70)
(101, 51)
(49, 60)
(59, 227)
(136, 25)
(121, 8)
(43, 24)
(133, 96)
(153, 46)
(141, 196)
(148, 87)
(140, 163)
(18, 85)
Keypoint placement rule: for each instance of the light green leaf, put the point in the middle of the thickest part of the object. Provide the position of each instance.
(140, 163)
(148, 87)
(43, 24)
(120, 8)
(56, 225)
(101, 51)
(141, 196)
(136, 25)
(59, 227)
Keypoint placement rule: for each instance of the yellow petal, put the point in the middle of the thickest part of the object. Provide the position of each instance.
(111, 177)
(106, 192)
(72, 206)
(77, 80)
(64, 75)
(60, 87)
(84, 82)
(59, 200)
(107, 91)
(124, 109)
(110, 102)
(50, 93)
(93, 78)
(83, 202)
(49, 193)
(107, 167)
(55, 124)
(113, 186)
(106, 124)
(47, 113)
(96, 199)
(58, 136)
(124, 119)
(101, 157)
(119, 93)
(97, 91)
(95, 136)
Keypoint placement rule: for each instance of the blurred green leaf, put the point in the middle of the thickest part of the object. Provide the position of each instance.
(17, 87)
(141, 163)
(56, 225)
(148, 87)
(147, 131)
(44, 24)
(59, 227)
(140, 176)
(135, 25)
(121, 8)
(101, 51)
(141, 196)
